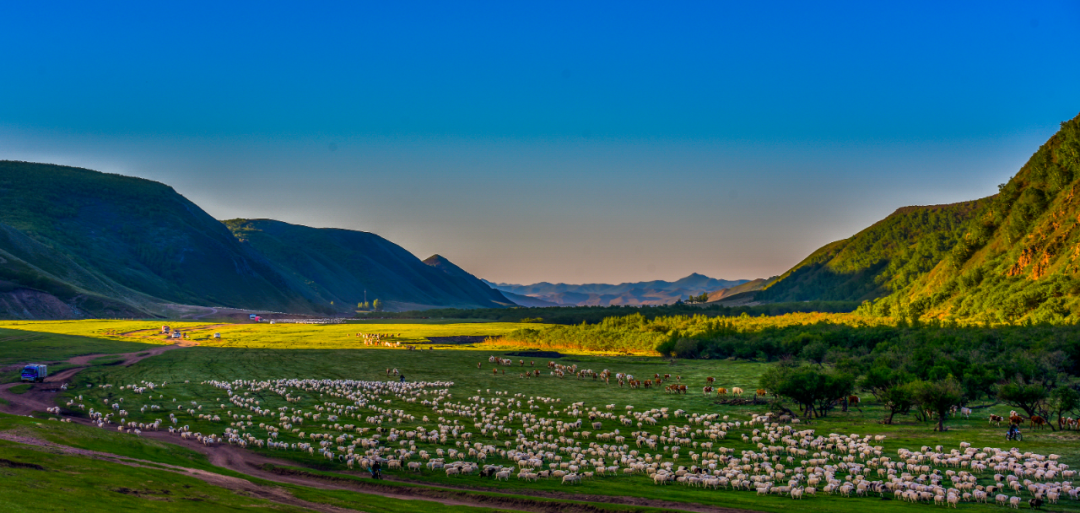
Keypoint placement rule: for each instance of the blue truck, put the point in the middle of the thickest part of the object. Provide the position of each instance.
(35, 372)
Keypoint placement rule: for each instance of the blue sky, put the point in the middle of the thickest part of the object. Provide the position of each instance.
(549, 141)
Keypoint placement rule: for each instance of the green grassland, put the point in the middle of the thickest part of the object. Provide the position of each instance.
(196, 364)
(98, 328)
(108, 336)
(342, 336)
(67, 481)
(17, 344)
(273, 354)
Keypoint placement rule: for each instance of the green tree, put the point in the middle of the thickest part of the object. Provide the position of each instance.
(938, 397)
(1028, 397)
(890, 388)
(376, 305)
(1064, 399)
(815, 352)
(812, 389)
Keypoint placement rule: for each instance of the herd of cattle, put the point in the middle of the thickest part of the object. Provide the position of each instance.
(423, 427)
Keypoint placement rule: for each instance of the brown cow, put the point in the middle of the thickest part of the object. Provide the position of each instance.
(682, 388)
(1016, 419)
(996, 419)
(707, 390)
(667, 376)
(648, 383)
(709, 380)
(721, 391)
(1037, 421)
(761, 391)
(853, 400)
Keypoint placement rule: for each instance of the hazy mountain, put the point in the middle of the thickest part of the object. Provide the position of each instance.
(528, 301)
(657, 292)
(75, 243)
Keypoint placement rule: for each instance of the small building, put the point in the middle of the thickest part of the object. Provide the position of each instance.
(217, 335)
(253, 317)
(177, 334)
(165, 329)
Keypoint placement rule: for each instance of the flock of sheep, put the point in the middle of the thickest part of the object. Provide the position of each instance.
(424, 427)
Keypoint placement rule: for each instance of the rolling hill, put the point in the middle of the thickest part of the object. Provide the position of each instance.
(877, 260)
(135, 241)
(1011, 257)
(738, 293)
(342, 267)
(77, 243)
(1017, 258)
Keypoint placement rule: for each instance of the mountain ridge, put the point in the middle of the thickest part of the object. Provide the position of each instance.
(1007, 258)
(77, 242)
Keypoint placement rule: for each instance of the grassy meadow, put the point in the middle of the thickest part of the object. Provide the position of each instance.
(264, 335)
(264, 352)
(62, 481)
(19, 345)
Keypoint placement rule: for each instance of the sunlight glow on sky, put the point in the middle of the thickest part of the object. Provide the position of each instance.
(577, 141)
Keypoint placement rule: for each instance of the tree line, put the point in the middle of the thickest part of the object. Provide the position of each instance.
(597, 314)
(918, 369)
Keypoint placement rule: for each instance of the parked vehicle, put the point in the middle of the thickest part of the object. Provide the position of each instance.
(35, 372)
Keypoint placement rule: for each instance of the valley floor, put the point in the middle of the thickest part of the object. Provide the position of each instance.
(93, 463)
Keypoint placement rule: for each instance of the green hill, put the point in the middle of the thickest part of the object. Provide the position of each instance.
(133, 240)
(78, 243)
(332, 265)
(28, 287)
(1008, 258)
(876, 261)
(743, 290)
(1017, 258)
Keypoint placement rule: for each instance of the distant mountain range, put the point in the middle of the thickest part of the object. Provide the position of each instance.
(77, 243)
(657, 292)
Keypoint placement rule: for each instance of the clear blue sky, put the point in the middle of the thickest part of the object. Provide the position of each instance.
(577, 141)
